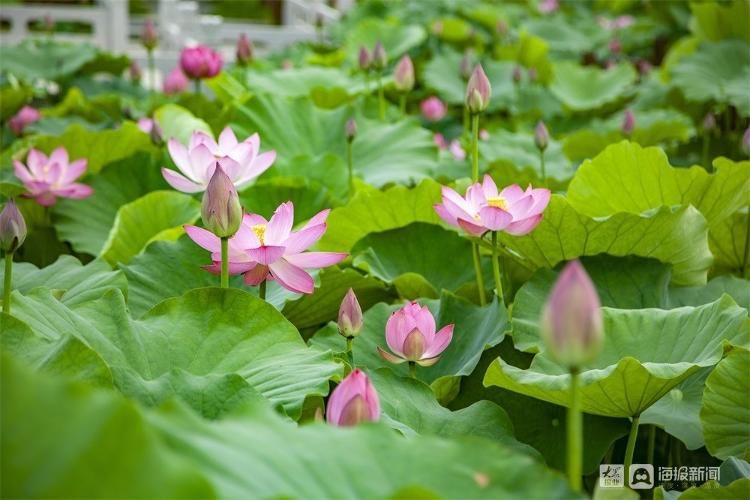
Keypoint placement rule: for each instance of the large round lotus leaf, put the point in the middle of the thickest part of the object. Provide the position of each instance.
(179, 123)
(563, 39)
(396, 38)
(298, 82)
(206, 347)
(652, 349)
(47, 59)
(724, 240)
(720, 20)
(584, 88)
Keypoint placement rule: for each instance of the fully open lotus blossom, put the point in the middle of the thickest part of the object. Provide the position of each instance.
(512, 210)
(46, 178)
(175, 82)
(353, 401)
(200, 62)
(269, 249)
(410, 334)
(25, 117)
(240, 160)
(433, 109)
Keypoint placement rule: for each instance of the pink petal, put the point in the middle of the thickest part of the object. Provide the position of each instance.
(425, 322)
(521, 208)
(512, 193)
(179, 154)
(292, 277)
(200, 137)
(179, 182)
(397, 328)
(519, 228)
(254, 220)
(245, 238)
(234, 268)
(280, 225)
(311, 260)
(75, 191)
(22, 172)
(318, 218)
(46, 199)
(36, 160)
(266, 254)
(541, 200)
(74, 171)
(227, 139)
(441, 340)
(391, 358)
(456, 211)
(471, 228)
(449, 194)
(428, 361)
(494, 218)
(59, 155)
(444, 214)
(256, 275)
(203, 238)
(475, 197)
(242, 153)
(202, 163)
(301, 240)
(489, 187)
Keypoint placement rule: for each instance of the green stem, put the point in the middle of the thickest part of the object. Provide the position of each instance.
(412, 369)
(630, 449)
(262, 289)
(381, 98)
(350, 164)
(475, 147)
(544, 171)
(350, 351)
(496, 268)
(575, 434)
(727, 119)
(152, 70)
(224, 262)
(478, 270)
(466, 122)
(7, 281)
(402, 104)
(651, 444)
(746, 257)
(704, 154)
(197, 85)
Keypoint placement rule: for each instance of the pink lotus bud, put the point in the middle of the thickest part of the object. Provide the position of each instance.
(150, 37)
(25, 117)
(456, 150)
(644, 67)
(350, 129)
(350, 316)
(433, 109)
(365, 59)
(549, 6)
(709, 122)
(572, 318)
(175, 82)
(403, 79)
(517, 74)
(221, 210)
(439, 140)
(200, 62)
(466, 66)
(410, 334)
(746, 141)
(541, 136)
(533, 75)
(135, 73)
(353, 401)
(478, 91)
(615, 46)
(628, 123)
(12, 227)
(379, 57)
(244, 50)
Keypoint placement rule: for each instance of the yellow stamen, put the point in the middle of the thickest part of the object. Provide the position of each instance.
(498, 202)
(260, 232)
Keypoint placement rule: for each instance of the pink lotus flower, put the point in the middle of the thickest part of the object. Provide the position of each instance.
(200, 62)
(433, 109)
(197, 161)
(549, 6)
(264, 249)
(175, 82)
(46, 178)
(353, 401)
(410, 334)
(512, 210)
(25, 117)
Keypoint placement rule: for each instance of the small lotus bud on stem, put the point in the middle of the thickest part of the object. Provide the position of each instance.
(221, 210)
(465, 68)
(517, 74)
(350, 129)
(12, 236)
(244, 51)
(478, 91)
(353, 401)
(628, 123)
(365, 59)
(403, 79)
(150, 37)
(541, 136)
(379, 57)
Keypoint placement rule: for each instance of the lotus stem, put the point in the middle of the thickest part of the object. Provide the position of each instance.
(651, 444)
(197, 85)
(350, 164)
(7, 281)
(478, 272)
(381, 97)
(746, 257)
(544, 170)
(704, 155)
(496, 268)
(475, 147)
(466, 121)
(413, 369)
(262, 290)
(630, 449)
(152, 70)
(350, 351)
(575, 434)
(224, 262)
(402, 104)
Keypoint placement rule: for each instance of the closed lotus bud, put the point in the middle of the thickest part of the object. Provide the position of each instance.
(353, 401)
(135, 72)
(379, 57)
(478, 91)
(244, 50)
(12, 227)
(746, 141)
(465, 68)
(572, 318)
(709, 122)
(150, 37)
(365, 59)
(221, 210)
(350, 129)
(628, 123)
(350, 316)
(541, 136)
(517, 74)
(403, 78)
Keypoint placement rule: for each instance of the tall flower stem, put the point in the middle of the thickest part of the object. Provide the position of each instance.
(350, 165)
(152, 70)
(496, 267)
(467, 129)
(7, 281)
(475, 147)
(350, 352)
(197, 85)
(704, 154)
(412, 369)
(478, 271)
(402, 104)
(630, 449)
(541, 164)
(746, 256)
(381, 97)
(224, 262)
(262, 290)
(575, 434)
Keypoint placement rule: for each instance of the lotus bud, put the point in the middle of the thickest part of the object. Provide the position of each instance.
(365, 59)
(244, 50)
(403, 79)
(221, 210)
(541, 136)
(615, 46)
(746, 141)
(628, 123)
(350, 129)
(465, 68)
(709, 122)
(150, 37)
(135, 72)
(572, 318)
(49, 24)
(478, 91)
(517, 74)
(12, 227)
(25, 117)
(379, 57)
(353, 401)
(350, 316)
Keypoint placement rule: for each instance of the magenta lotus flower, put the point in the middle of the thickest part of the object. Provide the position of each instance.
(433, 109)
(46, 178)
(200, 62)
(350, 315)
(269, 249)
(410, 334)
(353, 401)
(512, 210)
(25, 117)
(240, 160)
(175, 82)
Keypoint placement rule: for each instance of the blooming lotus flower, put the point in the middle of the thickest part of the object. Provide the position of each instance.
(403, 78)
(175, 82)
(244, 51)
(512, 210)
(46, 178)
(25, 117)
(350, 315)
(197, 161)
(410, 334)
(353, 401)
(12, 228)
(478, 91)
(150, 36)
(541, 136)
(364, 59)
(628, 123)
(269, 249)
(200, 62)
(572, 318)
(433, 109)
(221, 210)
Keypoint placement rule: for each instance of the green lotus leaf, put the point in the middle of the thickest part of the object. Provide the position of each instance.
(583, 88)
(717, 21)
(13, 98)
(725, 414)
(309, 197)
(103, 108)
(396, 38)
(707, 491)
(726, 240)
(179, 123)
(45, 58)
(735, 287)
(299, 82)
(641, 346)
(563, 39)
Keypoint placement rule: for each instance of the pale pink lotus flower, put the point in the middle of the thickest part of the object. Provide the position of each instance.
(433, 109)
(25, 117)
(200, 62)
(350, 315)
(353, 401)
(269, 249)
(483, 209)
(175, 82)
(240, 160)
(549, 6)
(46, 178)
(410, 334)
